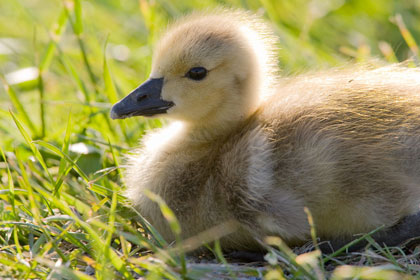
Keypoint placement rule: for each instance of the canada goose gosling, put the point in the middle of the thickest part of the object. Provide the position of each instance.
(247, 146)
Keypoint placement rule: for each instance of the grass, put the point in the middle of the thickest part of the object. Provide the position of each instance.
(63, 213)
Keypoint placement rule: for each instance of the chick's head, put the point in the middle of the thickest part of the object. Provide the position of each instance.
(208, 69)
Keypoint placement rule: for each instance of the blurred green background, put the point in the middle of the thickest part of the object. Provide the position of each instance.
(63, 63)
(313, 34)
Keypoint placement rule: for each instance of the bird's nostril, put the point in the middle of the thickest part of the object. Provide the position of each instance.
(141, 97)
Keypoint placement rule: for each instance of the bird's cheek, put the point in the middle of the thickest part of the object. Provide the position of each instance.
(171, 94)
(168, 92)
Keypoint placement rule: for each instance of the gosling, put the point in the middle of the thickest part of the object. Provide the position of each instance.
(247, 146)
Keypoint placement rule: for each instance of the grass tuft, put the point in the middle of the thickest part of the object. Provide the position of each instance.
(63, 213)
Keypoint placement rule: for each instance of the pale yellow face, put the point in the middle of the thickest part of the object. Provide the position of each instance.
(205, 70)
(208, 69)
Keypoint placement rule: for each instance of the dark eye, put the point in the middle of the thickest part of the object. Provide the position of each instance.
(197, 73)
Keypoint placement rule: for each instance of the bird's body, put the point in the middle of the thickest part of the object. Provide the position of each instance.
(344, 143)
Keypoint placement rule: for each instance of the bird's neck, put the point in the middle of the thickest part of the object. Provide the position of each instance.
(219, 124)
(217, 130)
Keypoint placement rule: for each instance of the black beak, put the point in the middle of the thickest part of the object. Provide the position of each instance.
(146, 100)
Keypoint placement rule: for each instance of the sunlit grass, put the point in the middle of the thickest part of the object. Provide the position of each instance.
(63, 213)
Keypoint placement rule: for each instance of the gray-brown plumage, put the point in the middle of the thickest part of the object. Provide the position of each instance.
(248, 146)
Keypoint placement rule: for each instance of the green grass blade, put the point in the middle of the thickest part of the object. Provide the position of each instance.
(78, 27)
(75, 75)
(83, 51)
(56, 32)
(28, 141)
(41, 104)
(63, 163)
(290, 257)
(115, 159)
(11, 184)
(344, 248)
(109, 84)
(111, 224)
(16, 240)
(12, 261)
(219, 255)
(161, 242)
(19, 106)
(173, 223)
(35, 211)
(99, 244)
(57, 151)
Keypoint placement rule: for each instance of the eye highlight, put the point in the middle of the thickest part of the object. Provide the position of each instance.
(197, 73)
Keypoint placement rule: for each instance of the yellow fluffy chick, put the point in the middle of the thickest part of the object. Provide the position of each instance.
(252, 147)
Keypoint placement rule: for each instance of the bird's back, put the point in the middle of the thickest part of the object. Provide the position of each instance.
(348, 144)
